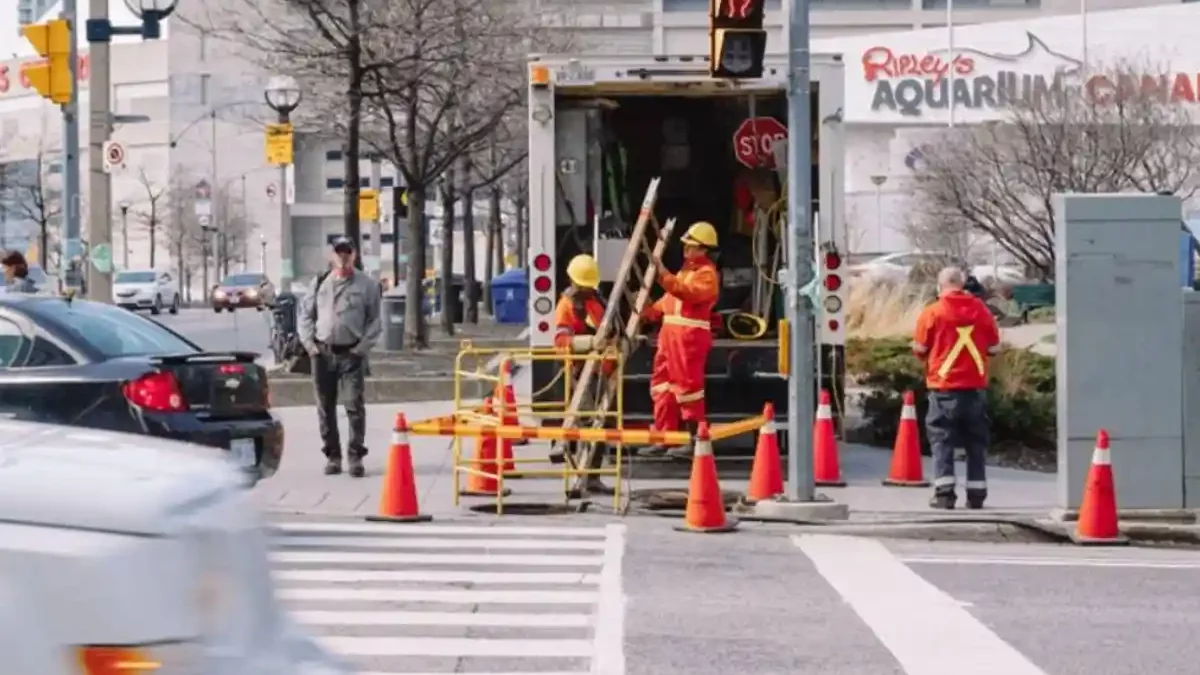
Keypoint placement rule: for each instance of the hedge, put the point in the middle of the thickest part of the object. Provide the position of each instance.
(1021, 399)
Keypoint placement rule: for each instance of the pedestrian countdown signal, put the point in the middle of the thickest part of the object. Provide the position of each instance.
(737, 40)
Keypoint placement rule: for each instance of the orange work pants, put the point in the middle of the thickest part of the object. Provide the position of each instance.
(677, 379)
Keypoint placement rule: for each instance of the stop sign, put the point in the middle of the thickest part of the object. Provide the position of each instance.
(754, 141)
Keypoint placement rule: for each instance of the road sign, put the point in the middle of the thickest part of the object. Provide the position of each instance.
(114, 156)
(101, 257)
(279, 143)
(368, 205)
(754, 141)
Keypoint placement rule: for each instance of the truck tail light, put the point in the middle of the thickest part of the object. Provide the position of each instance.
(542, 263)
(542, 284)
(156, 391)
(832, 282)
(832, 260)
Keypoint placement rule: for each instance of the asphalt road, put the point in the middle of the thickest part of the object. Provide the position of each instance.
(243, 330)
(589, 594)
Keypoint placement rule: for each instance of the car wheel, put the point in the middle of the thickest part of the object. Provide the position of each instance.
(156, 308)
(231, 310)
(175, 304)
(217, 310)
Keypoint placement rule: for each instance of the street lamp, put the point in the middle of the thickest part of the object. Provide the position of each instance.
(151, 12)
(124, 206)
(283, 95)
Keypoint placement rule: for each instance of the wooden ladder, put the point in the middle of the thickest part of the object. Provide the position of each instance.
(635, 296)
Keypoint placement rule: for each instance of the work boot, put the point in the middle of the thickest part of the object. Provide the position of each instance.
(356, 467)
(685, 451)
(333, 466)
(942, 502)
(594, 486)
(652, 451)
(975, 502)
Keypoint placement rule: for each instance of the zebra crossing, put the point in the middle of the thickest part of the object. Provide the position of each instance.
(459, 597)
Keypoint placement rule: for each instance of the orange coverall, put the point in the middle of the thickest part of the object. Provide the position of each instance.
(575, 316)
(677, 379)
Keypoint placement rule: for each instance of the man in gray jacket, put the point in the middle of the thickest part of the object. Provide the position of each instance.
(338, 326)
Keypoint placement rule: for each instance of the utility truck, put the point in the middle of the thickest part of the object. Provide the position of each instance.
(602, 127)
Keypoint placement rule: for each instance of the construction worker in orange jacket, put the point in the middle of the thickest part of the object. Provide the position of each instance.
(576, 318)
(955, 336)
(685, 338)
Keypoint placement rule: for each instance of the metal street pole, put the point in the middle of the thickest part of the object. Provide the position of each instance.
(801, 383)
(70, 207)
(285, 221)
(99, 182)
(376, 246)
(219, 264)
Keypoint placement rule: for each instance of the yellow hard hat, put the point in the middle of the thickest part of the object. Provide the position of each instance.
(701, 233)
(583, 271)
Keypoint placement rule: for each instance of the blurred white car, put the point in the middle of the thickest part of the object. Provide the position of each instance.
(121, 554)
(898, 267)
(146, 289)
(1004, 274)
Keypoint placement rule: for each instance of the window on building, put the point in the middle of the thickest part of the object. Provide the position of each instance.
(387, 182)
(364, 182)
(203, 45)
(204, 88)
(334, 183)
(333, 155)
(703, 5)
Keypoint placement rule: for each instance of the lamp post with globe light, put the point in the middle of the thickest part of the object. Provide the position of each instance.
(100, 32)
(283, 94)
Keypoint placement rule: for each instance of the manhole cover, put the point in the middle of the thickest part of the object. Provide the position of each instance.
(670, 500)
(528, 509)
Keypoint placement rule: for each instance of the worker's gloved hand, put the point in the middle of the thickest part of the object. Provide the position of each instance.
(581, 344)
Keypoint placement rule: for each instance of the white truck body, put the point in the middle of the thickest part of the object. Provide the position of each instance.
(123, 542)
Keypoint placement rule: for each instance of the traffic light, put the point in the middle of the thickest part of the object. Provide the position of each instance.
(53, 78)
(737, 41)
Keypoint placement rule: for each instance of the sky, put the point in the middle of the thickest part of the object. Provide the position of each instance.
(12, 45)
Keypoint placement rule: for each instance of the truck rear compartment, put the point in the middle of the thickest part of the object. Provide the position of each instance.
(689, 143)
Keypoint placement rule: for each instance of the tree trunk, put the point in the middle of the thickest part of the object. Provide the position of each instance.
(42, 252)
(471, 311)
(153, 227)
(522, 231)
(354, 96)
(493, 242)
(415, 333)
(449, 298)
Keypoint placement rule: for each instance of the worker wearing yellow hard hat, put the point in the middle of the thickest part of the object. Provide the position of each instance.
(685, 311)
(576, 318)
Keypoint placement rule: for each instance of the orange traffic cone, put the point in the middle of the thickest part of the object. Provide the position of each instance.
(827, 471)
(766, 477)
(1098, 512)
(479, 484)
(511, 419)
(705, 504)
(398, 500)
(906, 469)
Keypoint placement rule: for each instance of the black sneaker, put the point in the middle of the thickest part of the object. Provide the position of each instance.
(974, 503)
(333, 467)
(942, 502)
(356, 468)
(652, 451)
(683, 452)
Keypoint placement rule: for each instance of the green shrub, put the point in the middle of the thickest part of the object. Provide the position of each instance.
(1041, 315)
(1021, 399)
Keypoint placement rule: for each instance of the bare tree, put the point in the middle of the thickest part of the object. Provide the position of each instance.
(150, 210)
(30, 194)
(1122, 133)
(229, 243)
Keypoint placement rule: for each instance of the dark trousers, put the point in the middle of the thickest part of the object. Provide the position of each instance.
(332, 369)
(959, 419)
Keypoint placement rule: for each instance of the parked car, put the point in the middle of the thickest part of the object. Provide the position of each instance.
(146, 289)
(244, 289)
(89, 364)
(132, 555)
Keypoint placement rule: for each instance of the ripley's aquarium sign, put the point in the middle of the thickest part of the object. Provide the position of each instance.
(912, 84)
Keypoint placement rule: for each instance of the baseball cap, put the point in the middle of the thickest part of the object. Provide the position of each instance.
(342, 244)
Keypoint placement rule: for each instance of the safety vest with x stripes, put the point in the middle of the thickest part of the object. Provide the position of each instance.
(955, 335)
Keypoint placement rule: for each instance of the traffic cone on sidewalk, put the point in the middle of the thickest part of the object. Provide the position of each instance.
(827, 470)
(766, 477)
(511, 418)
(907, 469)
(398, 499)
(1098, 511)
(705, 504)
(482, 482)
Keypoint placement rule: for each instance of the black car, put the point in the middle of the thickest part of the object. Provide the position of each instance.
(89, 364)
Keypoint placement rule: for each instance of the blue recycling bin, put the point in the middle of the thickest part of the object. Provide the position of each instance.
(510, 297)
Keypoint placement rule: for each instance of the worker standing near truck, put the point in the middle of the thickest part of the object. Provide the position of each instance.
(685, 338)
(576, 318)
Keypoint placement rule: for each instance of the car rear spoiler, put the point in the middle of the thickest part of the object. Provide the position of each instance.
(206, 357)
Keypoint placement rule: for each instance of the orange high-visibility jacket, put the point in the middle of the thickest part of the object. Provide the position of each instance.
(576, 315)
(955, 336)
(685, 313)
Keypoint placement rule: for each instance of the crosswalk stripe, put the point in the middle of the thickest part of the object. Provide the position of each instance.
(465, 597)
(577, 672)
(481, 559)
(430, 529)
(461, 647)
(432, 543)
(436, 576)
(467, 619)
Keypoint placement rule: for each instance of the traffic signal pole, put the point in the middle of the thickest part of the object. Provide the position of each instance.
(801, 384)
(71, 196)
(100, 130)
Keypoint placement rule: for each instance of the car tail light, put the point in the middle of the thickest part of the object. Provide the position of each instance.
(232, 369)
(542, 284)
(156, 391)
(116, 661)
(543, 327)
(832, 282)
(832, 260)
(542, 263)
(833, 324)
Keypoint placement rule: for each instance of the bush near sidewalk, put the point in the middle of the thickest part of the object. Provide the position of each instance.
(1020, 398)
